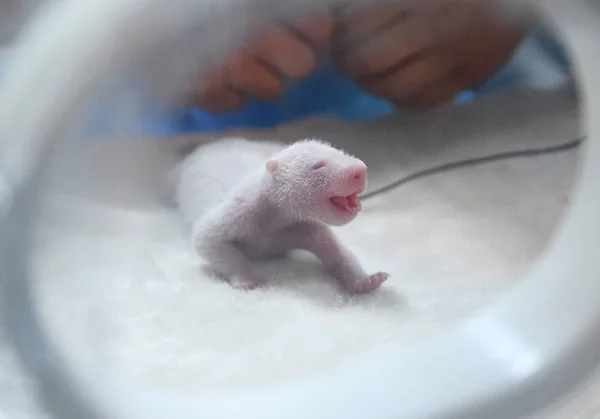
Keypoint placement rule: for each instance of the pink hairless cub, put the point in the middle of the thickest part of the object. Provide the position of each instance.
(288, 202)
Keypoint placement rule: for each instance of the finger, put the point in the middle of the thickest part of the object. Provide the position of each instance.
(436, 94)
(455, 18)
(409, 80)
(248, 75)
(315, 33)
(214, 95)
(286, 54)
(220, 101)
(377, 54)
(482, 39)
(357, 24)
(481, 66)
(466, 23)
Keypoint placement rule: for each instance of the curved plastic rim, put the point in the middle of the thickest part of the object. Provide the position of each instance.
(515, 357)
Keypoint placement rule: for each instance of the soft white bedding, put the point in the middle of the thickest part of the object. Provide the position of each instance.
(120, 286)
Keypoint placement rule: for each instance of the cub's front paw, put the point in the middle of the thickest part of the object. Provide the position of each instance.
(369, 283)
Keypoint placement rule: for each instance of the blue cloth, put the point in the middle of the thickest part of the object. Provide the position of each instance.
(325, 92)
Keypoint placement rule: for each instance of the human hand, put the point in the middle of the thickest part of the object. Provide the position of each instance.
(417, 54)
(261, 70)
(423, 53)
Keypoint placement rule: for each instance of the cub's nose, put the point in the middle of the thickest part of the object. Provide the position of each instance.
(357, 176)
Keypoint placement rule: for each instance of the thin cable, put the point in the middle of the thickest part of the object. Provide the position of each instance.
(533, 152)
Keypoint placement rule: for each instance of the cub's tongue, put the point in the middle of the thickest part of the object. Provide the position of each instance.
(349, 203)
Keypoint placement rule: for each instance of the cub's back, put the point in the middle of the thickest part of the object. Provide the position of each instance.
(208, 174)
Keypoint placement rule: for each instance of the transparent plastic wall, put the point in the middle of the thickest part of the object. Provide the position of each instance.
(117, 64)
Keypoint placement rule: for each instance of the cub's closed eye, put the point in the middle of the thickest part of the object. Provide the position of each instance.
(318, 165)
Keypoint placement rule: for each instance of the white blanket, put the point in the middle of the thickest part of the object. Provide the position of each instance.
(119, 284)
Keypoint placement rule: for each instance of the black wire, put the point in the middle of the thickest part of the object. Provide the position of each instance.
(473, 162)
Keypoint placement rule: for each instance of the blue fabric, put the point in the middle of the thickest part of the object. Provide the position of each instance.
(325, 92)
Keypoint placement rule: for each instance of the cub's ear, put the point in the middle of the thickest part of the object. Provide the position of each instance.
(271, 165)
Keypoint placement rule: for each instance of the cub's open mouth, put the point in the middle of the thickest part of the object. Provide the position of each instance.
(350, 203)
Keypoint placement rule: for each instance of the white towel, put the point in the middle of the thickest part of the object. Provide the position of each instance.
(120, 286)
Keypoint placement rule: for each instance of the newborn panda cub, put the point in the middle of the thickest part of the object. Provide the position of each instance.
(288, 203)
